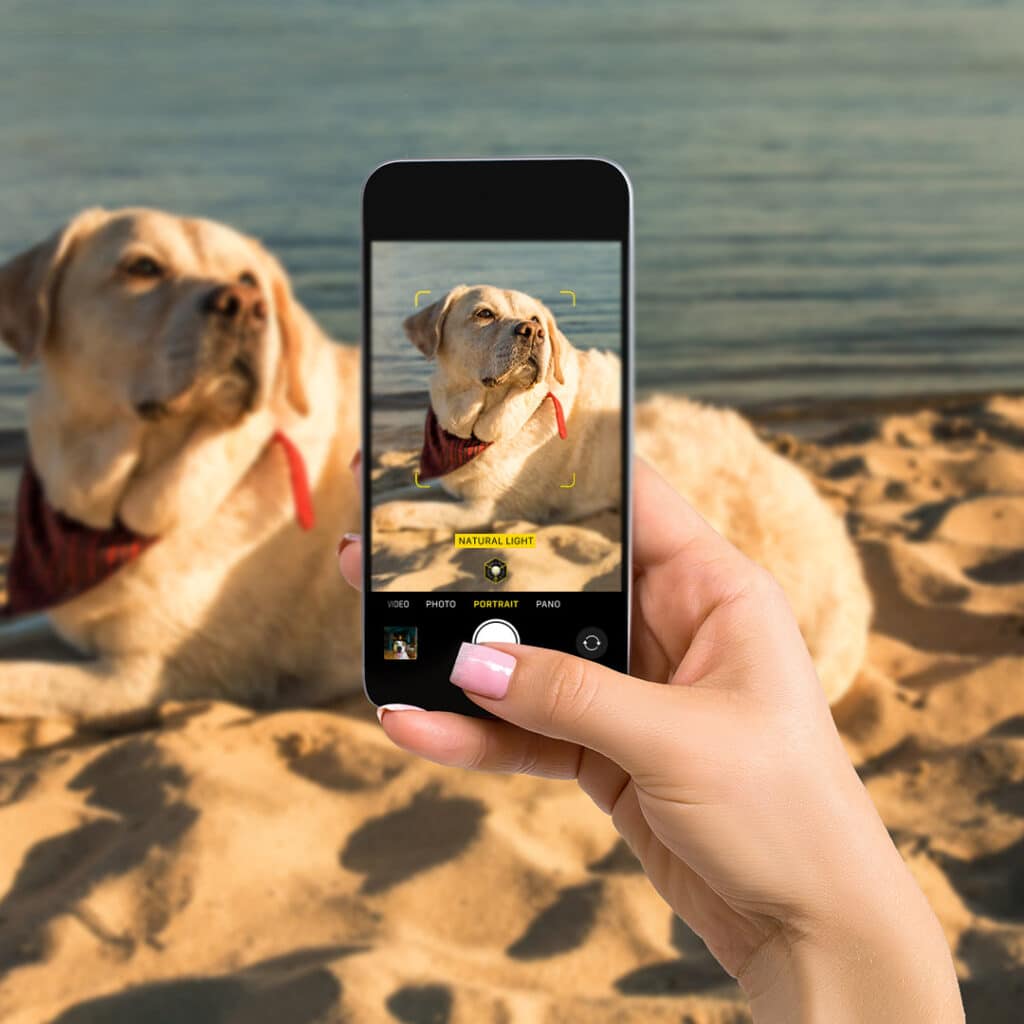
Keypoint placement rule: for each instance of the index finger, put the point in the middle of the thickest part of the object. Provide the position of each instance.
(683, 571)
(666, 525)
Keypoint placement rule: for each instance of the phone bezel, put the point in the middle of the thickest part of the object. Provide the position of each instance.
(528, 199)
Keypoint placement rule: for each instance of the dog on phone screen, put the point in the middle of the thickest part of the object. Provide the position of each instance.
(189, 444)
(516, 409)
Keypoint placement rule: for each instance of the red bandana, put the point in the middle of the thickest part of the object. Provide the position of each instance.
(444, 452)
(56, 558)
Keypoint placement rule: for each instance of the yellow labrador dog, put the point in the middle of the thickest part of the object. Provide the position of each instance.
(189, 444)
(505, 380)
(506, 376)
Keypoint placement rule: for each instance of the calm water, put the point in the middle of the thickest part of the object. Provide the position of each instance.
(829, 197)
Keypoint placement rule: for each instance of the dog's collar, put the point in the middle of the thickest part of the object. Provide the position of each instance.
(443, 452)
(56, 558)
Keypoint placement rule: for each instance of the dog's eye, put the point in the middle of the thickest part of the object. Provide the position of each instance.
(535, 319)
(248, 277)
(143, 266)
(484, 314)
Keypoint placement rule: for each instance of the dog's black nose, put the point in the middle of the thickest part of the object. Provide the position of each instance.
(235, 302)
(528, 330)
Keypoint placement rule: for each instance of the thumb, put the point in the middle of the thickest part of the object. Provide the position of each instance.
(640, 725)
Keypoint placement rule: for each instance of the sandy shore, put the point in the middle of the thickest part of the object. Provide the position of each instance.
(238, 867)
(583, 555)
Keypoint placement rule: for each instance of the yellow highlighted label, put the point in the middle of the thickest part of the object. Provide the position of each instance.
(495, 540)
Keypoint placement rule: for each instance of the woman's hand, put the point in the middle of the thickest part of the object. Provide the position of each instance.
(720, 766)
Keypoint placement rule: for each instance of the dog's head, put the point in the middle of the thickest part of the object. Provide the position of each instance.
(153, 315)
(491, 336)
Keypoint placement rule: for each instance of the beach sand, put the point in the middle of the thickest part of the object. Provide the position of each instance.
(582, 555)
(229, 866)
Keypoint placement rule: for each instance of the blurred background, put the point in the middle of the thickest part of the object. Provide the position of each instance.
(826, 194)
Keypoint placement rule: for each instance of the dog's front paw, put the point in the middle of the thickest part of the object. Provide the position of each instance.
(395, 515)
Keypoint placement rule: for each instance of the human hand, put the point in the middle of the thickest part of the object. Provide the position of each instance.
(721, 767)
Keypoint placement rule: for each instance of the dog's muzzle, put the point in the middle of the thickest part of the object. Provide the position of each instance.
(523, 367)
(221, 359)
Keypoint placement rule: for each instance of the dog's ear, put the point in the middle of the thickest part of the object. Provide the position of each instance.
(290, 329)
(426, 328)
(29, 284)
(558, 343)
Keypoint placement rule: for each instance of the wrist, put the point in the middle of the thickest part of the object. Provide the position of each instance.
(889, 962)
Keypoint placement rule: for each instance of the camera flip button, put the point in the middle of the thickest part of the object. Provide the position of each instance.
(592, 642)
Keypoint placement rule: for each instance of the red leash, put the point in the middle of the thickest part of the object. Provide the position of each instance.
(559, 415)
(301, 496)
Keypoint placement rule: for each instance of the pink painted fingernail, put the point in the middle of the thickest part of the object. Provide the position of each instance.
(483, 670)
(349, 538)
(396, 707)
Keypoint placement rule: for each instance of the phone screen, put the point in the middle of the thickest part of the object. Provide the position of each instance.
(495, 473)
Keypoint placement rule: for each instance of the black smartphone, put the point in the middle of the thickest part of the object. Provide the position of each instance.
(497, 411)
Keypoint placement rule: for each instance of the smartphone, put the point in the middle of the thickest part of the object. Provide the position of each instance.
(496, 417)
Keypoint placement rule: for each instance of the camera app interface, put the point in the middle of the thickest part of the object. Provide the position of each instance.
(496, 407)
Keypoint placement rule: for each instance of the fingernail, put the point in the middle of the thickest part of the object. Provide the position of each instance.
(345, 541)
(396, 707)
(483, 670)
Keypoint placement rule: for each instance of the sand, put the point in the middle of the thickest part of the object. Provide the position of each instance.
(583, 555)
(228, 866)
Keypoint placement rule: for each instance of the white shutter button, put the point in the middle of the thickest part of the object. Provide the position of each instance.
(496, 631)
